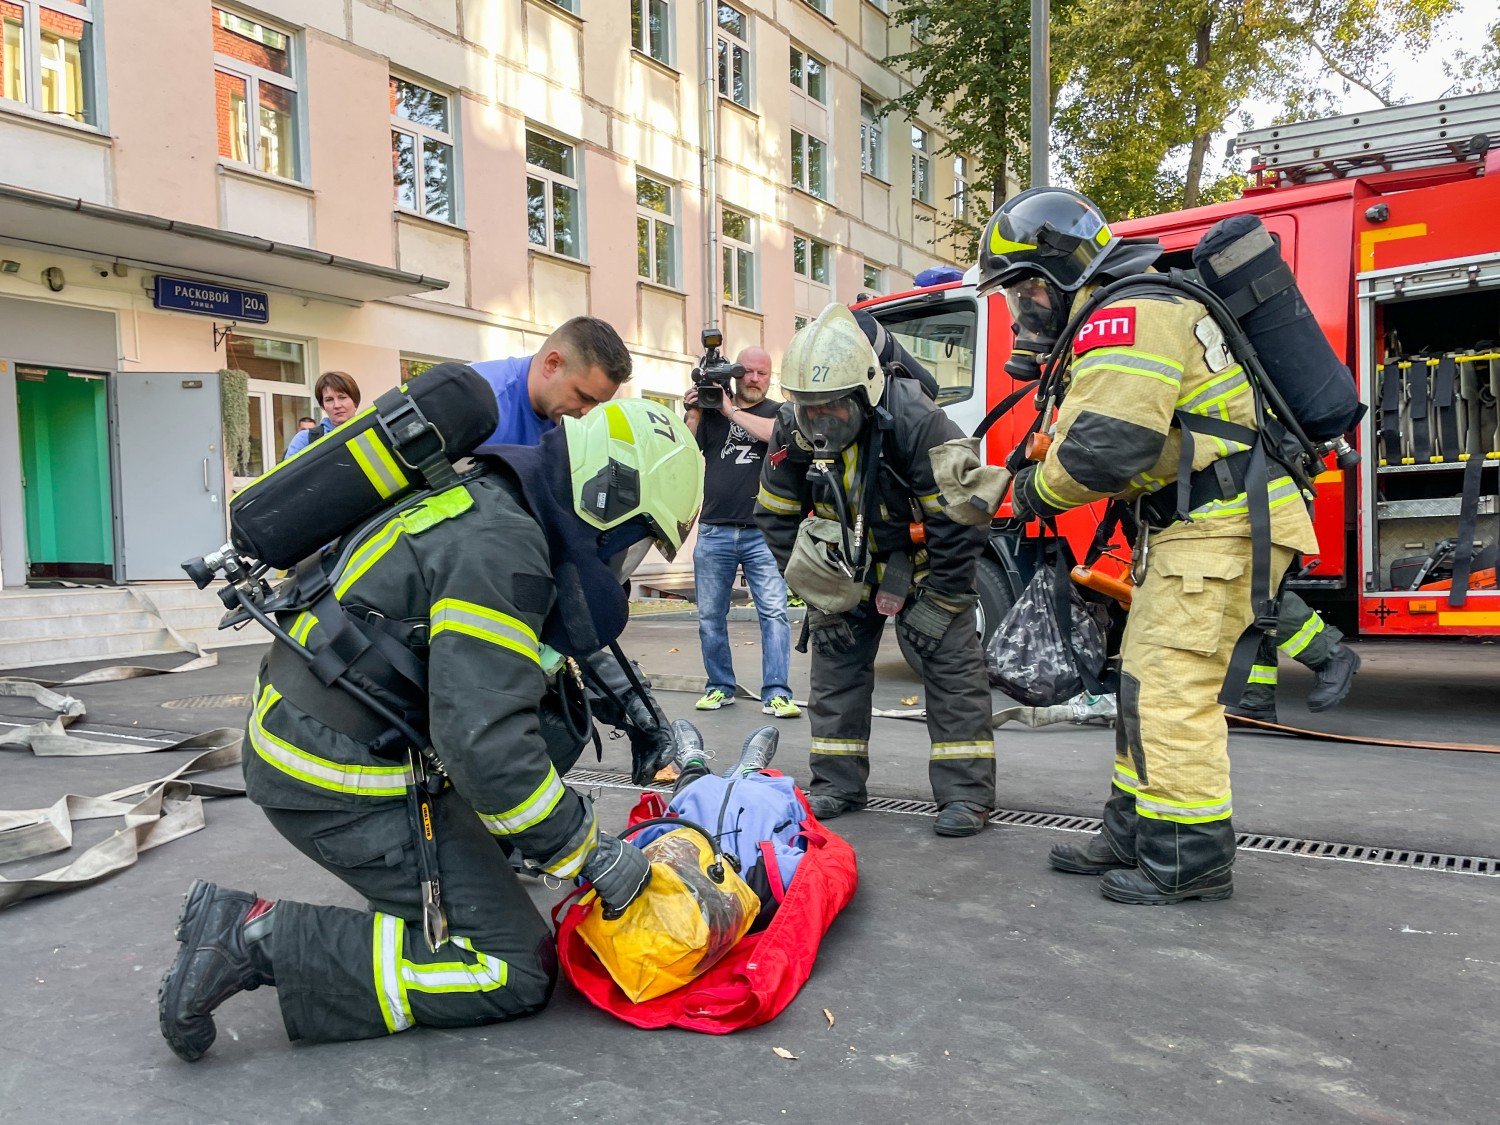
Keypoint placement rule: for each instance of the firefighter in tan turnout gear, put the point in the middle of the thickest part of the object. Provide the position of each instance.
(854, 447)
(485, 584)
(1140, 369)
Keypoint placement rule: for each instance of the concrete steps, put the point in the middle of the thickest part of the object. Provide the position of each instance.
(56, 626)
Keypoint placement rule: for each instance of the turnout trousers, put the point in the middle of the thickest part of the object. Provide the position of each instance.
(1170, 805)
(352, 974)
(957, 694)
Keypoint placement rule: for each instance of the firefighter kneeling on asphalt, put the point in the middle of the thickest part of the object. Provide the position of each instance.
(854, 447)
(1137, 364)
(495, 578)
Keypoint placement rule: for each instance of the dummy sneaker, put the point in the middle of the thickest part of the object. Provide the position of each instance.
(961, 818)
(226, 948)
(1335, 678)
(756, 754)
(690, 753)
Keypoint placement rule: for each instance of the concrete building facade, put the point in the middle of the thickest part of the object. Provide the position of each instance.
(370, 186)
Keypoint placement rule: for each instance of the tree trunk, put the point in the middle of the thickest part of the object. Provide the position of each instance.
(1193, 185)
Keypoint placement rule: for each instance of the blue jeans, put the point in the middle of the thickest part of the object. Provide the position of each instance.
(723, 549)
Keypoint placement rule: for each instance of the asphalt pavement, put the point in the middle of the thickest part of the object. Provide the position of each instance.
(967, 981)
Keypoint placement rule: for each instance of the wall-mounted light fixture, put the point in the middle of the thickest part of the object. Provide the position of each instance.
(53, 276)
(10, 265)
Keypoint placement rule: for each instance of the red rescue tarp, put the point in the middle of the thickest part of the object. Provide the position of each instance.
(757, 978)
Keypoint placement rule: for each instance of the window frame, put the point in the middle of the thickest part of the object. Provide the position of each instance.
(801, 85)
(809, 246)
(961, 186)
(801, 145)
(878, 286)
(640, 33)
(737, 248)
(921, 158)
(569, 6)
(655, 220)
(726, 42)
(33, 66)
(253, 76)
(549, 177)
(263, 391)
(872, 137)
(420, 133)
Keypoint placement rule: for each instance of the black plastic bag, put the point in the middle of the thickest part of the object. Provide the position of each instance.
(1032, 659)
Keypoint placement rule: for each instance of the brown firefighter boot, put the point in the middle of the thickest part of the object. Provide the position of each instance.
(1175, 862)
(1335, 678)
(1110, 849)
(226, 948)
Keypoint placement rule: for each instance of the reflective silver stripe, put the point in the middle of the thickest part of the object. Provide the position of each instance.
(340, 777)
(451, 615)
(1262, 674)
(1294, 645)
(773, 502)
(1182, 812)
(942, 750)
(532, 811)
(569, 865)
(1223, 388)
(930, 504)
(377, 465)
(1281, 491)
(1136, 363)
(485, 975)
(389, 991)
(1126, 781)
(841, 747)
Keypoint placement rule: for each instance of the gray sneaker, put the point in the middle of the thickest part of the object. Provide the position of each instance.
(756, 754)
(690, 750)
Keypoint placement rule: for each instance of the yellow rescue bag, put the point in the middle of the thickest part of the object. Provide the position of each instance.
(693, 911)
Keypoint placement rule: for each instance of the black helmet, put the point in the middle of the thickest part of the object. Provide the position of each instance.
(1045, 232)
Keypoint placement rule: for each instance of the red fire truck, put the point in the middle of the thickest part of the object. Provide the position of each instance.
(1391, 222)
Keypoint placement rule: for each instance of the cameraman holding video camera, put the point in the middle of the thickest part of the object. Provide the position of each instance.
(729, 413)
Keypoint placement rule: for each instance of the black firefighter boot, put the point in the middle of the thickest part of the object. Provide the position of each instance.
(226, 948)
(1110, 849)
(1335, 678)
(1175, 862)
(1258, 702)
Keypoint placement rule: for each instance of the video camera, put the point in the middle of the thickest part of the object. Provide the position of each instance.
(712, 375)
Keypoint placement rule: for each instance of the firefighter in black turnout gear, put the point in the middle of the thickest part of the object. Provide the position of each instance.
(489, 587)
(853, 447)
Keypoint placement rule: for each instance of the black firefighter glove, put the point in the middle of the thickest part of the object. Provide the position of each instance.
(619, 872)
(1018, 485)
(925, 622)
(831, 634)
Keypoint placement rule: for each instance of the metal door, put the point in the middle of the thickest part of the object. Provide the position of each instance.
(169, 456)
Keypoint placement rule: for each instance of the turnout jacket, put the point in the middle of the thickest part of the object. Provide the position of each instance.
(465, 576)
(906, 491)
(1136, 363)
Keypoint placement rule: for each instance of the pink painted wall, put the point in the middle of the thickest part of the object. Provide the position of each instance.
(609, 207)
(374, 369)
(161, 109)
(494, 160)
(350, 139)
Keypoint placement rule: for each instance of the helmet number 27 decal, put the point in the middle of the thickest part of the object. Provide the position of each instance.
(660, 425)
(819, 373)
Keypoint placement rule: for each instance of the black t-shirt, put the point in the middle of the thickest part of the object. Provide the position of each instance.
(731, 471)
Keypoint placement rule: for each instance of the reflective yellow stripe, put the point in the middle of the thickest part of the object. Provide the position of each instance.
(841, 747)
(1125, 778)
(1282, 490)
(389, 991)
(771, 502)
(930, 504)
(1047, 495)
(1263, 674)
(1183, 812)
(565, 867)
(302, 627)
(338, 777)
(370, 552)
(533, 810)
(485, 975)
(1130, 361)
(1226, 385)
(1294, 645)
(472, 620)
(375, 461)
(435, 509)
(943, 750)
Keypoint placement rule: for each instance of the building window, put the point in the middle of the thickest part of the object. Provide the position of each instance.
(874, 278)
(280, 396)
(799, 322)
(255, 87)
(734, 55)
(871, 139)
(552, 213)
(47, 57)
(921, 165)
(809, 74)
(810, 259)
(422, 149)
(820, 6)
(960, 186)
(737, 235)
(412, 366)
(567, 5)
(655, 231)
(651, 28)
(670, 402)
(809, 164)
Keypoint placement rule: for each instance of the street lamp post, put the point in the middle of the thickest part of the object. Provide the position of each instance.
(1040, 92)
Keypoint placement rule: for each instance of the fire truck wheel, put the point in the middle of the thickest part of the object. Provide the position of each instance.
(995, 600)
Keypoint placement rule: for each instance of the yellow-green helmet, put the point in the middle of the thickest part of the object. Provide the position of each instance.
(833, 377)
(634, 459)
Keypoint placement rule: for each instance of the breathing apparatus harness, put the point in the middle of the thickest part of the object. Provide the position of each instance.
(1278, 439)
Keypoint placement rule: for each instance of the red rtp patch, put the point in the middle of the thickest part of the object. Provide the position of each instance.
(778, 457)
(1107, 328)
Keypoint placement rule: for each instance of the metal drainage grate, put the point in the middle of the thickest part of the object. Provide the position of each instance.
(204, 702)
(1245, 841)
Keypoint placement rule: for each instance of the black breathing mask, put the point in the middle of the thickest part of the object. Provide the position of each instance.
(1039, 313)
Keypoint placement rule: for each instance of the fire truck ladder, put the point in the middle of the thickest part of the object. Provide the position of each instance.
(1401, 136)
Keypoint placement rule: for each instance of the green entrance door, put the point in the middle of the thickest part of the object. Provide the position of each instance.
(65, 469)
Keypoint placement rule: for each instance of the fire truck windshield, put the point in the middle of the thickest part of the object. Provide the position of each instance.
(940, 335)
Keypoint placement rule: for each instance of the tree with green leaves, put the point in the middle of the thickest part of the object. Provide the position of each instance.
(970, 61)
(1477, 72)
(1149, 87)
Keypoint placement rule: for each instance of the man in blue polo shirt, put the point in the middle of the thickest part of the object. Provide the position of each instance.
(579, 366)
